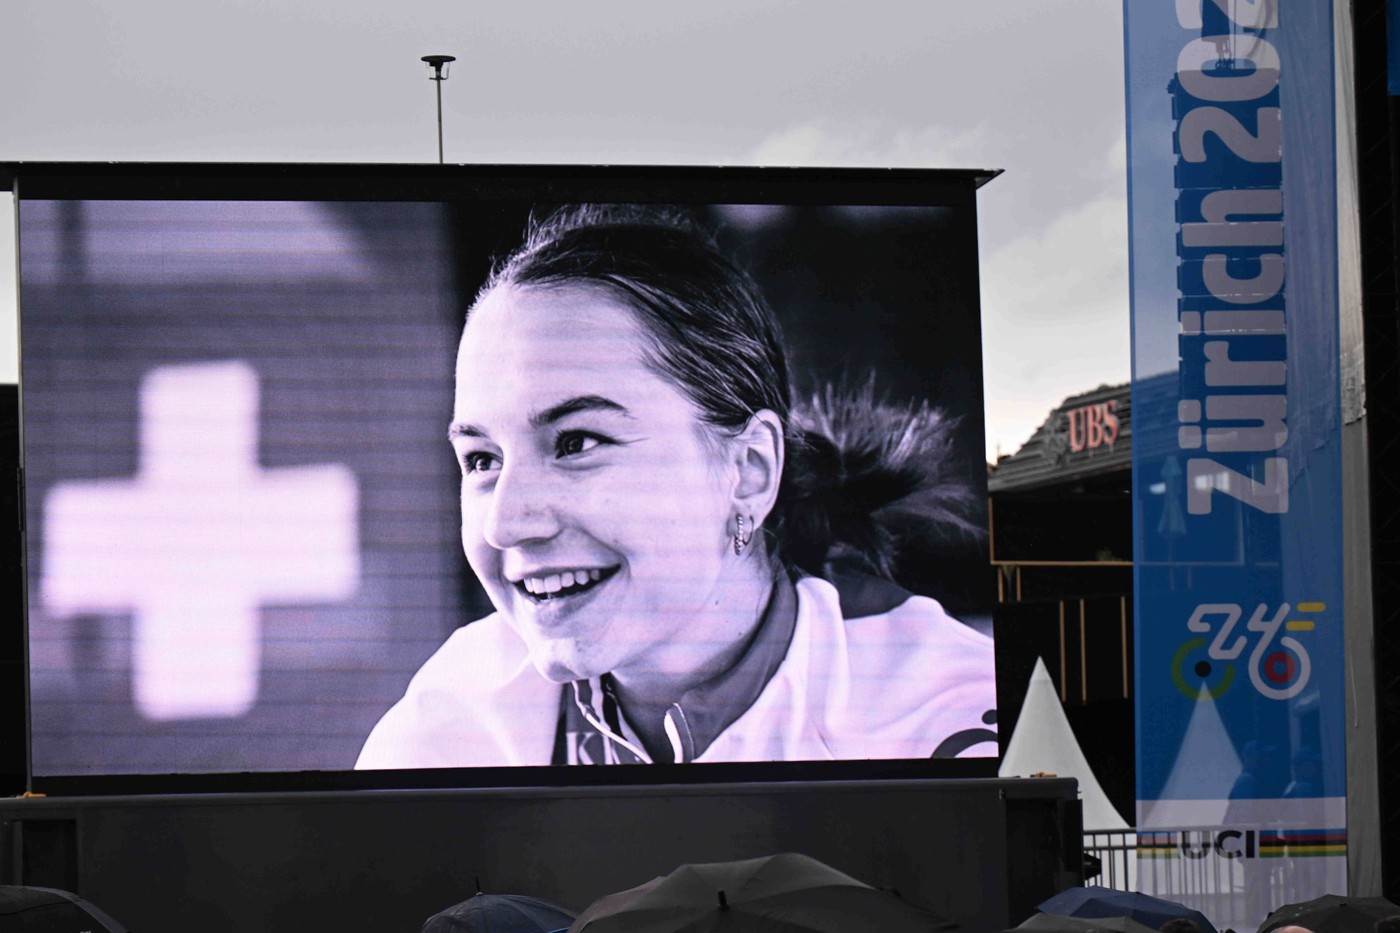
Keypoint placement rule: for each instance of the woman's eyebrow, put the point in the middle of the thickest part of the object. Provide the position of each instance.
(550, 415)
(574, 405)
(461, 429)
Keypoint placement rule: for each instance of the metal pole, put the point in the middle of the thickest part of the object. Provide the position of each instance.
(438, 82)
(438, 63)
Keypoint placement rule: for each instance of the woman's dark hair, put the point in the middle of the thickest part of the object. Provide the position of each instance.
(855, 470)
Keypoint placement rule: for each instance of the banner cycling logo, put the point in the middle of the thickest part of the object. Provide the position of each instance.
(1278, 667)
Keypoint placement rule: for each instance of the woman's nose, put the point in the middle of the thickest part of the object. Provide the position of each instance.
(520, 509)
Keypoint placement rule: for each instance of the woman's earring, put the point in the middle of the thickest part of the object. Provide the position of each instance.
(742, 537)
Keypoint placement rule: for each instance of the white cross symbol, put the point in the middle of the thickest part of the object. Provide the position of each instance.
(198, 540)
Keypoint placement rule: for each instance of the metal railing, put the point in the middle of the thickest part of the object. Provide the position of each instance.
(1177, 862)
(1113, 852)
(1223, 874)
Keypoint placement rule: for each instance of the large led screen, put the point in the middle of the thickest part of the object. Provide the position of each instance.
(340, 485)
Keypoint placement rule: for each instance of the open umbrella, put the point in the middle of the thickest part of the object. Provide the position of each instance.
(499, 913)
(1054, 923)
(787, 892)
(49, 910)
(1093, 901)
(1332, 913)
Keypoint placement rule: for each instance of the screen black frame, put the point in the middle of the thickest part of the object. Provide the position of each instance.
(397, 182)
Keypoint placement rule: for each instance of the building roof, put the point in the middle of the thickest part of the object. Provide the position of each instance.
(1087, 435)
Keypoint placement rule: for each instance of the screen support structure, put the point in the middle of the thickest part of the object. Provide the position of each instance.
(14, 644)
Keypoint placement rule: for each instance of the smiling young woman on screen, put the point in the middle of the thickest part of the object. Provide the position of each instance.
(656, 525)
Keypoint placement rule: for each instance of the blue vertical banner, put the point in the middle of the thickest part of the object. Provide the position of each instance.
(1241, 769)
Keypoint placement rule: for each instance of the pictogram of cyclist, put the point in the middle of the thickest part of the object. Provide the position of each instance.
(1278, 666)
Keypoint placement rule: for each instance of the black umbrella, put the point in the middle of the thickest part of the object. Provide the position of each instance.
(1054, 923)
(49, 910)
(499, 913)
(1092, 901)
(1332, 913)
(789, 893)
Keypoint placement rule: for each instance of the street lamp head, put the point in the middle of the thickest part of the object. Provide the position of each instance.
(438, 63)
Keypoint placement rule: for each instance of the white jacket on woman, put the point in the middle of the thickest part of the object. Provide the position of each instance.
(895, 683)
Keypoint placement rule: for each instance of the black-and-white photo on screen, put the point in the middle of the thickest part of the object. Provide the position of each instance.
(331, 485)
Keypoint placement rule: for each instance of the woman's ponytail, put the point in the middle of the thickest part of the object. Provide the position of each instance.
(863, 476)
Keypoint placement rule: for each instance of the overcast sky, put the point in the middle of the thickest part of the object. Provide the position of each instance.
(1033, 88)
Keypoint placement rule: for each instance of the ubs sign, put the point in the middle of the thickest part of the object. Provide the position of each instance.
(1093, 426)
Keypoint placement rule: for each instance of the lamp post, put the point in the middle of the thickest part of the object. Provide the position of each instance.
(438, 63)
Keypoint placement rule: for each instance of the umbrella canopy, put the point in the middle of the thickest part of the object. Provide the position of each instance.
(1093, 901)
(1054, 923)
(49, 910)
(1332, 913)
(499, 913)
(788, 893)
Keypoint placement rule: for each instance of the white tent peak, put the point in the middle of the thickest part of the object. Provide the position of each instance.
(1044, 742)
(1205, 769)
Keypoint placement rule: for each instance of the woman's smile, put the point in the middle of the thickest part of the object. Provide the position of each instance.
(555, 604)
(545, 585)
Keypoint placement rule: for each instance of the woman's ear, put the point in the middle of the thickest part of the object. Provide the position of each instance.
(758, 453)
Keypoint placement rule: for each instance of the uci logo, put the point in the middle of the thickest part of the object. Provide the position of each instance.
(1279, 667)
(1228, 843)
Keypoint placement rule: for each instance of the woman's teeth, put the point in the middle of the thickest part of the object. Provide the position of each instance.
(558, 582)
